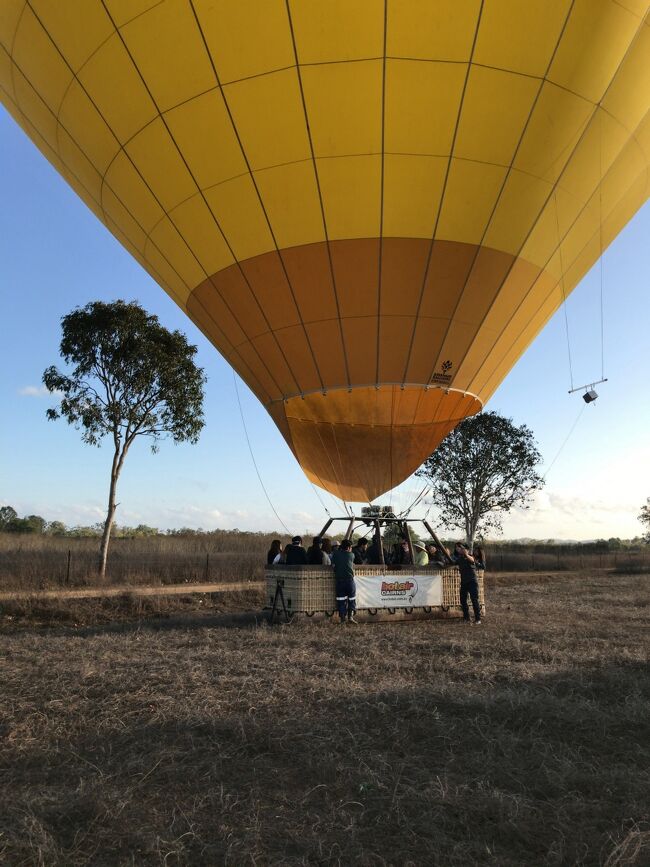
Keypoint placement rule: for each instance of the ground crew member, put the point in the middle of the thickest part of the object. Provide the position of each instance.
(346, 591)
(468, 581)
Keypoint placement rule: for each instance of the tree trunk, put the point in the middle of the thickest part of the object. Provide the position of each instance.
(110, 515)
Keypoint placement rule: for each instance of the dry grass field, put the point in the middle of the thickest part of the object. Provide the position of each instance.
(210, 739)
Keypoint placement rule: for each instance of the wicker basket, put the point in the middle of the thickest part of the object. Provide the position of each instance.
(311, 588)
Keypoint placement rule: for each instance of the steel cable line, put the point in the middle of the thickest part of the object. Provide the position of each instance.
(250, 449)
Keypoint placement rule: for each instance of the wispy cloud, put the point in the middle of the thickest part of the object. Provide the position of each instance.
(38, 391)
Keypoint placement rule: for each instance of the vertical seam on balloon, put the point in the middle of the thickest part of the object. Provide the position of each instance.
(555, 186)
(541, 272)
(381, 192)
(135, 168)
(216, 222)
(442, 194)
(261, 203)
(320, 196)
(502, 188)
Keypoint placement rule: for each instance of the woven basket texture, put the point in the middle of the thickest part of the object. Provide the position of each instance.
(312, 588)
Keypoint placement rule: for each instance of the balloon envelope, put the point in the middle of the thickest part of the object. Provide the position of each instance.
(370, 208)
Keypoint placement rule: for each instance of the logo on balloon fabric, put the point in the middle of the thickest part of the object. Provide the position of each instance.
(444, 377)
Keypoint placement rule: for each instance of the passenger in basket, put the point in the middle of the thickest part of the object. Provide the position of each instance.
(275, 553)
(468, 581)
(327, 549)
(346, 591)
(360, 552)
(295, 554)
(376, 553)
(479, 558)
(420, 554)
(315, 555)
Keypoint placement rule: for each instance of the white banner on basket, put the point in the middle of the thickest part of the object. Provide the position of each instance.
(398, 591)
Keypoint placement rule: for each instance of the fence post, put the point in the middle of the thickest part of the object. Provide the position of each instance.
(501, 555)
(67, 573)
(207, 566)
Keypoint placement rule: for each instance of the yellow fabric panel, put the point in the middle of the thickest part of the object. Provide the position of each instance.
(412, 190)
(269, 350)
(166, 237)
(247, 37)
(39, 61)
(79, 117)
(351, 187)
(360, 336)
(267, 278)
(77, 28)
(123, 178)
(159, 162)
(338, 30)
(122, 11)
(269, 117)
(34, 110)
(85, 171)
(625, 96)
(299, 357)
(169, 274)
(201, 127)
(443, 30)
(326, 343)
(10, 12)
(6, 82)
(599, 147)
(555, 127)
(422, 101)
(537, 321)
(520, 36)
(167, 49)
(470, 195)
(195, 222)
(124, 116)
(115, 209)
(495, 111)
(593, 45)
(520, 279)
(280, 188)
(520, 204)
(344, 107)
(236, 206)
(356, 275)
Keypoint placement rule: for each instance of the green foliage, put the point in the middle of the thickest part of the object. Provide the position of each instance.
(30, 524)
(483, 469)
(7, 515)
(131, 376)
(644, 517)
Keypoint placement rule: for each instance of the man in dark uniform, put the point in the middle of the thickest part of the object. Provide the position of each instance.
(346, 591)
(468, 581)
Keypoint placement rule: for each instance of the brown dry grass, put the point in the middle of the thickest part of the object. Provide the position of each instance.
(223, 741)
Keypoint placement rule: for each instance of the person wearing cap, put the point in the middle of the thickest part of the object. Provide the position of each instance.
(346, 590)
(468, 581)
(420, 556)
(295, 554)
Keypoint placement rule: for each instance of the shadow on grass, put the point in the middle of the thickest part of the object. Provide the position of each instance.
(456, 771)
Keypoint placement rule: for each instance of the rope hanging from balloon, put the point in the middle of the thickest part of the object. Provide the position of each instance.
(250, 449)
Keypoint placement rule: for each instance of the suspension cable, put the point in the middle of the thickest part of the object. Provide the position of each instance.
(566, 440)
(250, 449)
(566, 317)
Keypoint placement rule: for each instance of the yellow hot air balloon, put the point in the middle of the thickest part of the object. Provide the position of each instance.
(370, 207)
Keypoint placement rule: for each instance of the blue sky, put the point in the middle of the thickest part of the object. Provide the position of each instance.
(56, 255)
